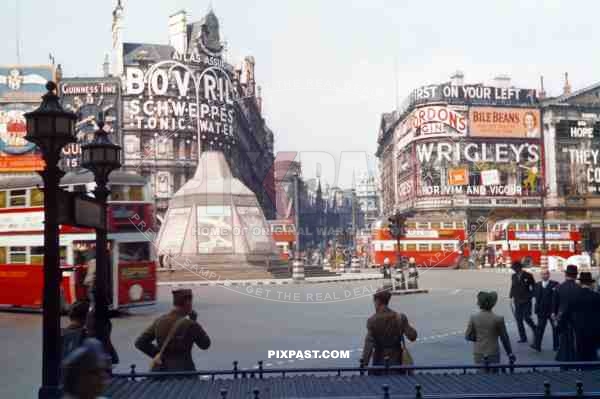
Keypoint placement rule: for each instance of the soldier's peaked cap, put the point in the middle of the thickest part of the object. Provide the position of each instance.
(182, 293)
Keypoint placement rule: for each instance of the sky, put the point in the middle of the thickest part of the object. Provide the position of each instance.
(329, 68)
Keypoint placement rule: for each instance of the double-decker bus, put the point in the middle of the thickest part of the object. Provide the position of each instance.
(130, 223)
(431, 243)
(283, 232)
(522, 239)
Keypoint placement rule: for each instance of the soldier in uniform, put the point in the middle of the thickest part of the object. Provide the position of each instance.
(386, 330)
(565, 300)
(180, 324)
(521, 292)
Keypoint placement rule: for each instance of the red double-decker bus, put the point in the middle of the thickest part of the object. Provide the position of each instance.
(521, 239)
(431, 243)
(130, 220)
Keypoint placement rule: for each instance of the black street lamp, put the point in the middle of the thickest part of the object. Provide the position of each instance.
(50, 127)
(101, 157)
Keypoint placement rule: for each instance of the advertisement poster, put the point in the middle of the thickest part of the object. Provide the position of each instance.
(490, 177)
(90, 99)
(458, 176)
(21, 91)
(504, 122)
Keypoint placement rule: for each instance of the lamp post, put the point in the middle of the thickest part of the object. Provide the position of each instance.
(101, 157)
(50, 127)
(544, 252)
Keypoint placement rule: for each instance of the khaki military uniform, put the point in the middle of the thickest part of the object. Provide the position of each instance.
(385, 332)
(177, 356)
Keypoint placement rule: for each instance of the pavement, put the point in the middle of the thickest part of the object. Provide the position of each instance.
(246, 321)
(216, 281)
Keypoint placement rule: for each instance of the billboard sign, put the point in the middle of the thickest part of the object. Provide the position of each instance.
(88, 98)
(504, 122)
(578, 129)
(475, 94)
(21, 91)
(437, 120)
(458, 176)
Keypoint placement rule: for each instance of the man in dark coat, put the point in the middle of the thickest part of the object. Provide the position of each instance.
(585, 317)
(177, 354)
(544, 301)
(564, 303)
(521, 292)
(385, 332)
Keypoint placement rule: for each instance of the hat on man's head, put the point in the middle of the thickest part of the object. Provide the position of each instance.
(517, 266)
(571, 271)
(586, 278)
(182, 293)
(487, 300)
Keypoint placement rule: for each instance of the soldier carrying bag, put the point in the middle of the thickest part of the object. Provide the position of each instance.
(156, 361)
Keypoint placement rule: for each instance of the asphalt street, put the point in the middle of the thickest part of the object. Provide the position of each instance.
(244, 323)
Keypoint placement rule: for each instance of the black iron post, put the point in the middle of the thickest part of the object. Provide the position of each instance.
(297, 214)
(101, 157)
(51, 128)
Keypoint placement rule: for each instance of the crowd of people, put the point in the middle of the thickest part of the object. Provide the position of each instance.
(571, 308)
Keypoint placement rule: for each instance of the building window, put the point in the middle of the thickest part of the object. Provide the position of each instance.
(18, 198)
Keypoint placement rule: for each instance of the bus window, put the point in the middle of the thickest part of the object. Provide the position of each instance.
(136, 193)
(17, 254)
(2, 199)
(447, 225)
(18, 197)
(422, 225)
(522, 247)
(449, 247)
(563, 227)
(554, 247)
(423, 247)
(534, 247)
(134, 251)
(552, 227)
(62, 254)
(435, 225)
(118, 192)
(36, 197)
(36, 255)
(573, 227)
(436, 247)
(565, 247)
(2, 255)
(534, 227)
(411, 247)
(411, 225)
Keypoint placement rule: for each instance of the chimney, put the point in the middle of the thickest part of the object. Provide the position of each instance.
(502, 81)
(178, 31)
(542, 93)
(457, 78)
(106, 66)
(567, 86)
(59, 73)
(259, 98)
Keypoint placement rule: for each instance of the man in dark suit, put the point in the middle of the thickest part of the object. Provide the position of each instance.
(521, 292)
(564, 303)
(544, 299)
(586, 312)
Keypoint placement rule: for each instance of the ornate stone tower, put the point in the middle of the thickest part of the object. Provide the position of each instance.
(117, 39)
